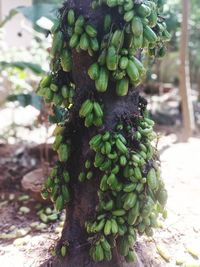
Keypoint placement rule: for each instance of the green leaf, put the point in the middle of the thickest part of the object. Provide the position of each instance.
(22, 65)
(34, 13)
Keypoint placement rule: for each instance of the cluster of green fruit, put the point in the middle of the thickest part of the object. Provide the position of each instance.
(131, 192)
(63, 147)
(56, 187)
(82, 35)
(53, 93)
(143, 30)
(92, 112)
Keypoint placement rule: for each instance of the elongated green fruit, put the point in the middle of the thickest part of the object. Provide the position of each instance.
(94, 44)
(71, 17)
(132, 71)
(57, 44)
(98, 110)
(63, 152)
(65, 193)
(74, 40)
(91, 31)
(149, 34)
(137, 26)
(122, 87)
(63, 251)
(93, 71)
(152, 179)
(128, 16)
(84, 42)
(59, 203)
(112, 58)
(122, 148)
(102, 82)
(123, 63)
(86, 108)
(117, 39)
(133, 214)
(66, 60)
(46, 81)
(108, 227)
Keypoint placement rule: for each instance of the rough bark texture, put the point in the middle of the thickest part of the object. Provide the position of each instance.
(84, 195)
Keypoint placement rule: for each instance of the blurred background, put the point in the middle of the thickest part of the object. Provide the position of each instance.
(28, 226)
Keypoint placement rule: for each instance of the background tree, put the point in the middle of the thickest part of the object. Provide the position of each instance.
(108, 168)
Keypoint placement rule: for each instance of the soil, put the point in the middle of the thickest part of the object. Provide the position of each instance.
(176, 241)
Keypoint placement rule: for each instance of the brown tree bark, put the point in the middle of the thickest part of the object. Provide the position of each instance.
(84, 195)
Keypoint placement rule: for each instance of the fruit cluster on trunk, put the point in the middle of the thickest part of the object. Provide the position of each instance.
(108, 174)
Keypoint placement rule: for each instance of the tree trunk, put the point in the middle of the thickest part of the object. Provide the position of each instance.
(84, 195)
(185, 89)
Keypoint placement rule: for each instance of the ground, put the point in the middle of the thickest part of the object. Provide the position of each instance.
(26, 242)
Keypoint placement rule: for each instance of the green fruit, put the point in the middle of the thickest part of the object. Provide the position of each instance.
(102, 57)
(138, 41)
(80, 21)
(112, 58)
(123, 161)
(119, 213)
(82, 177)
(149, 34)
(130, 201)
(102, 82)
(133, 214)
(46, 81)
(137, 26)
(66, 60)
(132, 71)
(91, 31)
(98, 110)
(93, 71)
(57, 44)
(162, 197)
(74, 40)
(59, 203)
(117, 39)
(128, 16)
(131, 257)
(128, 6)
(84, 42)
(107, 227)
(152, 179)
(111, 3)
(143, 10)
(123, 63)
(65, 193)
(153, 18)
(100, 226)
(114, 227)
(105, 245)
(66, 176)
(63, 251)
(94, 45)
(96, 140)
(122, 87)
(123, 247)
(71, 17)
(89, 120)
(121, 147)
(86, 108)
(63, 152)
(130, 187)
